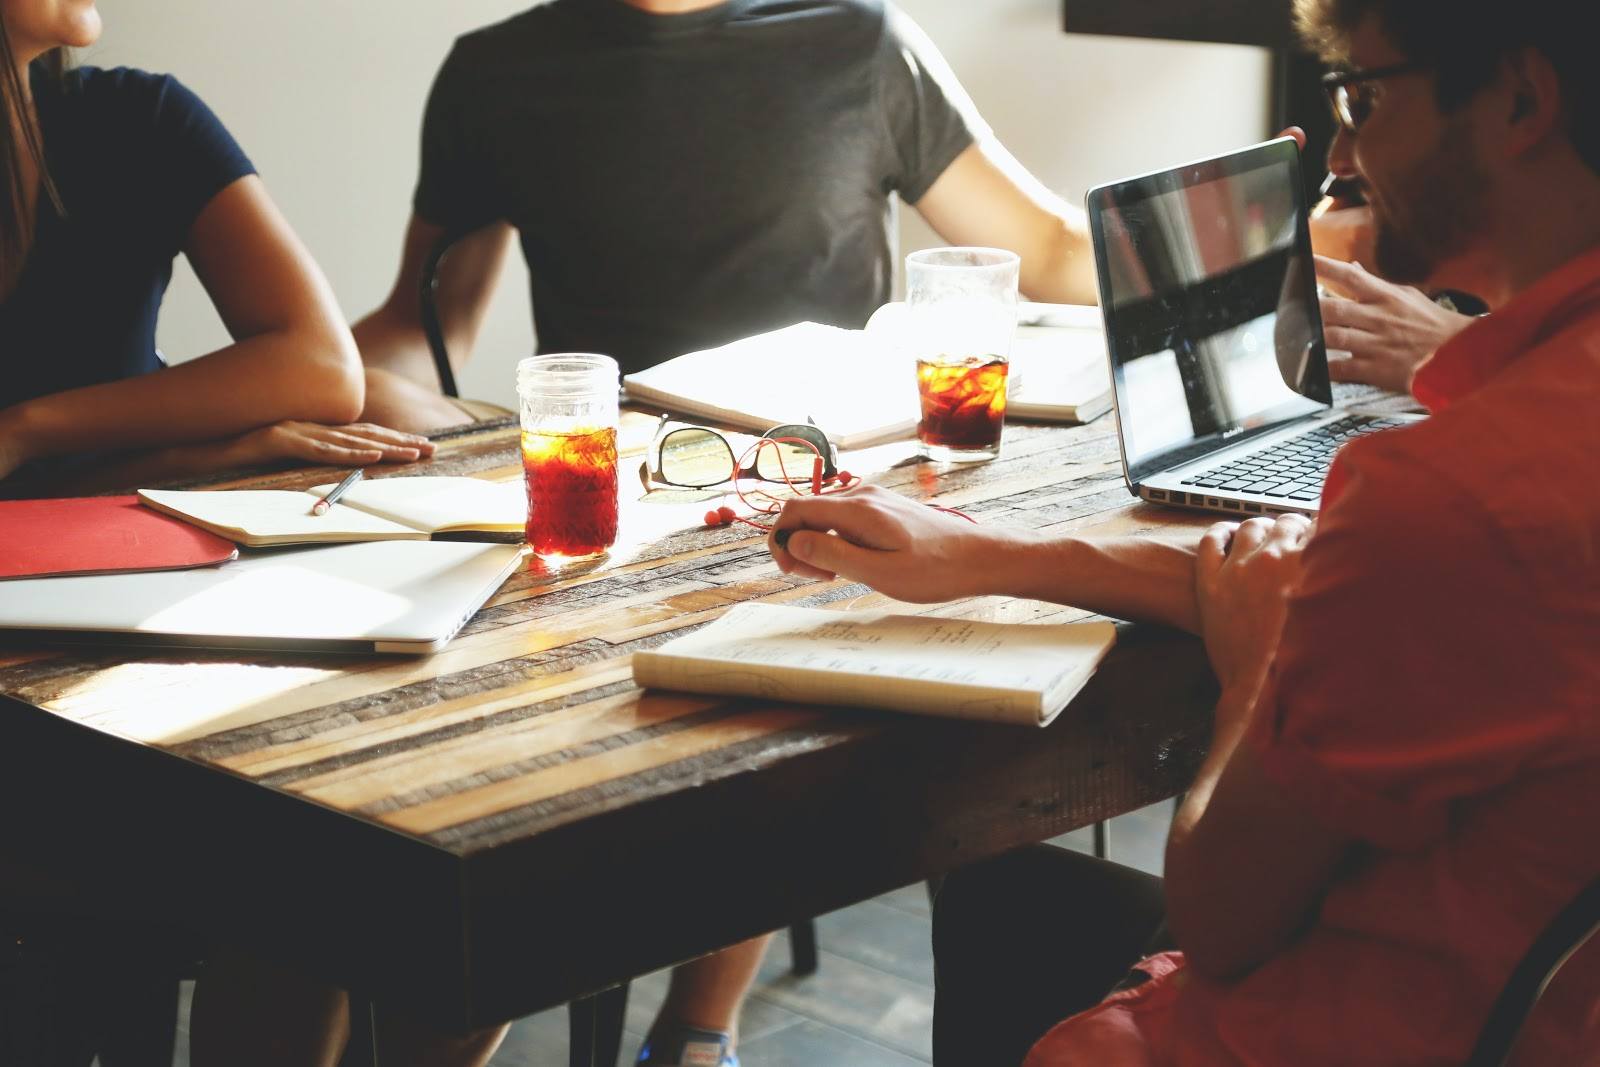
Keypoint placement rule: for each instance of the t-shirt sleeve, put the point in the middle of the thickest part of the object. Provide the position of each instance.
(1408, 675)
(929, 116)
(453, 186)
(194, 155)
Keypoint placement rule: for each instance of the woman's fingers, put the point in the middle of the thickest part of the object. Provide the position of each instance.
(392, 452)
(385, 435)
(317, 450)
(353, 443)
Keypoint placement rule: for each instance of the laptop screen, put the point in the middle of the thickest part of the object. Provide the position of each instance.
(1209, 296)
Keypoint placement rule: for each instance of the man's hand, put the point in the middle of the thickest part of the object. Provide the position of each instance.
(1389, 330)
(1244, 574)
(901, 548)
(1342, 231)
(336, 446)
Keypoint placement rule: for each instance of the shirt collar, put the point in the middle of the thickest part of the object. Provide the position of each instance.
(1486, 347)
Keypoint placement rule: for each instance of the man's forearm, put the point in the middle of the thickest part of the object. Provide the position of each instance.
(388, 342)
(1066, 275)
(1137, 578)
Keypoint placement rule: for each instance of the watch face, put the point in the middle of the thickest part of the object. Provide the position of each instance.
(1459, 302)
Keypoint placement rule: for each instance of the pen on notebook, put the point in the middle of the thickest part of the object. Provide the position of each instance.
(321, 507)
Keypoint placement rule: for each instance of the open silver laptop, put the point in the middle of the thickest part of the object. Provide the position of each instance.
(378, 596)
(1218, 366)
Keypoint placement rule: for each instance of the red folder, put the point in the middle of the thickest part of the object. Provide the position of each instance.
(100, 535)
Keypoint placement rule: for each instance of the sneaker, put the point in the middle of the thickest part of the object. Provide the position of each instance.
(688, 1046)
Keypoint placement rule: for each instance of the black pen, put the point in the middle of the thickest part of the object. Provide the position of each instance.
(321, 507)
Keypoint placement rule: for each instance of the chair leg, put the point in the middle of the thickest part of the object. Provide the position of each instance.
(594, 1027)
(803, 946)
(1102, 840)
(362, 1049)
(141, 1023)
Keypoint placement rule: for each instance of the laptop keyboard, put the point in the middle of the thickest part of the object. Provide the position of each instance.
(1293, 469)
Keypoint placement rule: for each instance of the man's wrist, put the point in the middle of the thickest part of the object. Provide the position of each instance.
(1009, 562)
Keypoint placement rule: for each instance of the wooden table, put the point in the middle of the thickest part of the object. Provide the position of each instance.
(511, 823)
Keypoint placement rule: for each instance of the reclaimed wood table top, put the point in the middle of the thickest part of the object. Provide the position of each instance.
(509, 823)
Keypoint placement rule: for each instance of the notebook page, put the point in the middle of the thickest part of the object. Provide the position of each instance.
(439, 504)
(272, 516)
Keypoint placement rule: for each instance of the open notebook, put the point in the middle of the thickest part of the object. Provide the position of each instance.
(383, 509)
(1018, 673)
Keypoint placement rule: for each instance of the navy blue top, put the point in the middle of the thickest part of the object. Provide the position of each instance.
(136, 157)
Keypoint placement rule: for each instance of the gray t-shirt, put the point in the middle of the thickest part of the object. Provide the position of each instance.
(680, 181)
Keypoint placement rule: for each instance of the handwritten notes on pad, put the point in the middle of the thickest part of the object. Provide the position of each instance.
(1001, 672)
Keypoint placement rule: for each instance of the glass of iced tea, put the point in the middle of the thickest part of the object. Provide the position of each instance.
(961, 314)
(569, 453)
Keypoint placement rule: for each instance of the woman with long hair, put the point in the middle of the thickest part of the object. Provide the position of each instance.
(105, 176)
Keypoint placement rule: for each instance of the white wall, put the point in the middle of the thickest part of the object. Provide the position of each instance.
(326, 96)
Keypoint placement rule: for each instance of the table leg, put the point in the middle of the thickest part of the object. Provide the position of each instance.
(594, 1027)
(362, 1050)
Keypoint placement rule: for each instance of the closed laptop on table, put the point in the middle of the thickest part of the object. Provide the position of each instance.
(381, 596)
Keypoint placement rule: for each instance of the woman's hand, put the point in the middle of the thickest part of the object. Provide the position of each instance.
(353, 445)
(12, 453)
(1389, 330)
(1244, 574)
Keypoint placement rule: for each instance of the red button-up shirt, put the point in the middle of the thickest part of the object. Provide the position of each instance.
(1436, 697)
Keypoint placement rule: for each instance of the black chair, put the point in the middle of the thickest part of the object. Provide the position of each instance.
(1568, 932)
(429, 304)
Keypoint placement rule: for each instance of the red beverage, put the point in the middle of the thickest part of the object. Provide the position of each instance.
(572, 491)
(963, 406)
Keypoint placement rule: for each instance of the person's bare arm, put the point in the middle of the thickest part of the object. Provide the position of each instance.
(292, 357)
(391, 338)
(912, 552)
(985, 197)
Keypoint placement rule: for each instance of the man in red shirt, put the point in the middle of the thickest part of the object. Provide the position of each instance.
(1405, 771)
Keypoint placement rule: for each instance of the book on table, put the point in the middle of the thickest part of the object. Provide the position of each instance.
(99, 535)
(1059, 354)
(842, 380)
(1020, 673)
(380, 509)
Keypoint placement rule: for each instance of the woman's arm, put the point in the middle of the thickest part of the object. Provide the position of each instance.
(293, 357)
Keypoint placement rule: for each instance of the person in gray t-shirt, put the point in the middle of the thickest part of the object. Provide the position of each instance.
(682, 180)
(683, 173)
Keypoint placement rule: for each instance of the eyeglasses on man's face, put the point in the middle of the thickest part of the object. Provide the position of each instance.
(1352, 94)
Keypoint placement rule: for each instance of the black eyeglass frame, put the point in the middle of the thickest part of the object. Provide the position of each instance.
(650, 472)
(1336, 84)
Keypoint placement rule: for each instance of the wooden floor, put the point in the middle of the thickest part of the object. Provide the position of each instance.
(869, 1005)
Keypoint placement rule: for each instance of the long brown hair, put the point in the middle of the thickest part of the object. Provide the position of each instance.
(20, 140)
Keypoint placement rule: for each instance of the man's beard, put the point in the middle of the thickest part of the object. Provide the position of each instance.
(1431, 213)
